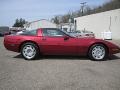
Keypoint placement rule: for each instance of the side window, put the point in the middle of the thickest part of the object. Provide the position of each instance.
(53, 32)
(32, 32)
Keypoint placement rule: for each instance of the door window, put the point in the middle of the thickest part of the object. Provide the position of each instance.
(53, 32)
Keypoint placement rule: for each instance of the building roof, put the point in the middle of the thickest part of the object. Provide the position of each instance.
(38, 21)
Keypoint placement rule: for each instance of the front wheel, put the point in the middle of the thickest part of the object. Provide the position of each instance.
(98, 52)
(29, 51)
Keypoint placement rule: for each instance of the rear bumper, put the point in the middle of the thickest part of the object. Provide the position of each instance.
(11, 46)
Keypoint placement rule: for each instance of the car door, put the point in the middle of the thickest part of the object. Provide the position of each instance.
(56, 42)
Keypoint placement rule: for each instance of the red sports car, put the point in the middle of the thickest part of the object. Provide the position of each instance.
(52, 41)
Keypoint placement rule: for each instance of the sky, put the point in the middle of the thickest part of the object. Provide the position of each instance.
(32, 10)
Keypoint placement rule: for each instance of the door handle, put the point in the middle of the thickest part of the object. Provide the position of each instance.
(43, 38)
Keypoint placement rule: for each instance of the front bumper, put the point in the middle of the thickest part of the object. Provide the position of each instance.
(115, 50)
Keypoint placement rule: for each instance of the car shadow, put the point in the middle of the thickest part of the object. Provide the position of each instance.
(54, 57)
(62, 57)
(18, 56)
(113, 57)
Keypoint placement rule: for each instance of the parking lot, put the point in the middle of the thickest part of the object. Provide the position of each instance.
(57, 72)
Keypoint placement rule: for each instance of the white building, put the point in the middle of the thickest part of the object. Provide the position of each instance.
(67, 26)
(108, 21)
(43, 23)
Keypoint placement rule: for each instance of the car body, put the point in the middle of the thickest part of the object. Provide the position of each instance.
(82, 33)
(52, 41)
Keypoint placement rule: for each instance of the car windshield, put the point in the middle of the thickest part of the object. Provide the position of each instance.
(67, 33)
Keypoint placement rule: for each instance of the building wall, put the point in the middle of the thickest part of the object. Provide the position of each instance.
(40, 24)
(101, 22)
(67, 27)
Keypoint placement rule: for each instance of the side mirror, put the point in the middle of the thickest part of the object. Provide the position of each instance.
(66, 37)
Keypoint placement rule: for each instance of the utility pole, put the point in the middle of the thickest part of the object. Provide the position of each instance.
(82, 7)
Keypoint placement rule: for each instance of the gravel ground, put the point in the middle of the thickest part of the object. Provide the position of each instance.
(57, 72)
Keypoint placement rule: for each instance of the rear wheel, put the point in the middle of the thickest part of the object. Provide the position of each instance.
(29, 51)
(98, 52)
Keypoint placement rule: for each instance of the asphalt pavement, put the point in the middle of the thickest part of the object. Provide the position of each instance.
(57, 72)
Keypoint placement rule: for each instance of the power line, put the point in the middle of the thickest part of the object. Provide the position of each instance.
(82, 7)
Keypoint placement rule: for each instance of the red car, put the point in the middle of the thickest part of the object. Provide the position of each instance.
(52, 41)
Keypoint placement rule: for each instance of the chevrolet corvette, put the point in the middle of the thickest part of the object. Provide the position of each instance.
(53, 41)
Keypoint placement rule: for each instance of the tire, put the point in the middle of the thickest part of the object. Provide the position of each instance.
(29, 51)
(98, 52)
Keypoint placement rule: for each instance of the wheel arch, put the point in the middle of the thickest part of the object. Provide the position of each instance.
(28, 41)
(107, 48)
